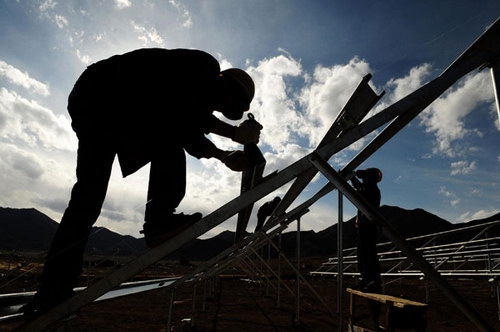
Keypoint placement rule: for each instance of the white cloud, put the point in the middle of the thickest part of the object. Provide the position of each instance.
(20, 163)
(186, 16)
(326, 94)
(17, 77)
(462, 167)
(451, 196)
(273, 104)
(85, 59)
(47, 4)
(147, 36)
(445, 118)
(401, 87)
(25, 121)
(28, 174)
(120, 4)
(61, 21)
(481, 214)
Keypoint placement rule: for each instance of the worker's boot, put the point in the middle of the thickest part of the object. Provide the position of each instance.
(155, 233)
(45, 300)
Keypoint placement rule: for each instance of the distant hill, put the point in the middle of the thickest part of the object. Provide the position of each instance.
(30, 230)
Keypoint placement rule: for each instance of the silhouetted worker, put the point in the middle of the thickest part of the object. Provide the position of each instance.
(265, 211)
(145, 106)
(368, 263)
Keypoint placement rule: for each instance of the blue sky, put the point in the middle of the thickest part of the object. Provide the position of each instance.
(306, 58)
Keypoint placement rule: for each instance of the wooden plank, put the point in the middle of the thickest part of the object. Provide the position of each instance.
(387, 299)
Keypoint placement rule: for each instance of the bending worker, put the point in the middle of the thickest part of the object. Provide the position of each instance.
(145, 106)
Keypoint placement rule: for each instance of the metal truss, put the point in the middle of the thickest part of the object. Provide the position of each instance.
(475, 257)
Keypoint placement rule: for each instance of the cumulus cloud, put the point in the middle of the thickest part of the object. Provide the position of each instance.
(325, 95)
(47, 5)
(23, 79)
(85, 59)
(28, 174)
(20, 162)
(186, 16)
(462, 167)
(48, 9)
(273, 104)
(401, 87)
(147, 36)
(480, 214)
(61, 21)
(120, 4)
(451, 196)
(23, 120)
(445, 118)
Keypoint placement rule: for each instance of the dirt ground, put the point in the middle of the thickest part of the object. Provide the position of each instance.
(235, 303)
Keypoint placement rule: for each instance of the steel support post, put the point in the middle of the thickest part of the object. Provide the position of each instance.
(497, 284)
(204, 295)
(495, 75)
(274, 273)
(340, 258)
(193, 307)
(263, 264)
(278, 300)
(268, 263)
(294, 268)
(170, 309)
(374, 215)
(297, 295)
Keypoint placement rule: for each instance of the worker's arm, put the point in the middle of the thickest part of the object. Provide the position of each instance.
(204, 148)
(234, 160)
(356, 183)
(246, 132)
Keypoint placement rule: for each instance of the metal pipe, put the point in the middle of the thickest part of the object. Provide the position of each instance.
(278, 300)
(170, 308)
(274, 273)
(495, 75)
(340, 258)
(311, 288)
(193, 307)
(297, 314)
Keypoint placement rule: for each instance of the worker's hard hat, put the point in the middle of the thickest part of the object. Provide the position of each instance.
(370, 175)
(242, 80)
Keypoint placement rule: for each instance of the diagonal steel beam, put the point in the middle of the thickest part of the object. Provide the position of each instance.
(359, 104)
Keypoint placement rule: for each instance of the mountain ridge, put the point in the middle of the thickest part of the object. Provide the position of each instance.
(28, 229)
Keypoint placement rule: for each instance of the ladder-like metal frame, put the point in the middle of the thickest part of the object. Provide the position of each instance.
(485, 51)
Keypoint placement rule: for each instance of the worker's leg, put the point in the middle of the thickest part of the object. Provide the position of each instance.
(167, 187)
(368, 263)
(64, 261)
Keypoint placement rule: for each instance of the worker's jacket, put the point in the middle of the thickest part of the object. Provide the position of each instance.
(371, 193)
(146, 102)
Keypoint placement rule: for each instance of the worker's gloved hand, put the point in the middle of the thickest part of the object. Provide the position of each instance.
(248, 131)
(237, 161)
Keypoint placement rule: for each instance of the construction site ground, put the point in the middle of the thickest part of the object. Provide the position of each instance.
(238, 303)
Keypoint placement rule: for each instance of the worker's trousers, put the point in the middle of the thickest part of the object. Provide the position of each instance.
(368, 263)
(167, 181)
